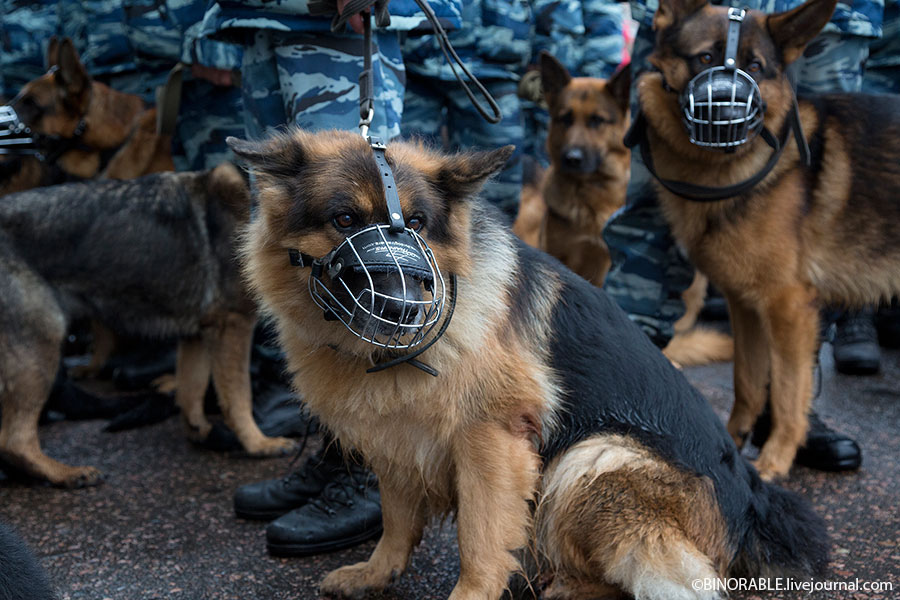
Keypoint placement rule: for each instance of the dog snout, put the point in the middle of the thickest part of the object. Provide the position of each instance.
(573, 158)
(578, 160)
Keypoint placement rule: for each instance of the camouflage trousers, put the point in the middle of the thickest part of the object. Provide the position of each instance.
(311, 80)
(432, 104)
(208, 115)
(649, 273)
(883, 80)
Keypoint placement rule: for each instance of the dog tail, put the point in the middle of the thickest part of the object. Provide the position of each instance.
(785, 536)
(700, 346)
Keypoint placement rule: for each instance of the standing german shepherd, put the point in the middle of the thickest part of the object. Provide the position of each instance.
(86, 127)
(546, 393)
(589, 165)
(153, 256)
(805, 235)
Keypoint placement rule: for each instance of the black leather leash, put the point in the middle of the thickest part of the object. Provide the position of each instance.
(637, 136)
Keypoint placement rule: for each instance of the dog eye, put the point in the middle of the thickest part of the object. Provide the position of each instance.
(754, 67)
(596, 121)
(343, 221)
(706, 58)
(416, 223)
(566, 119)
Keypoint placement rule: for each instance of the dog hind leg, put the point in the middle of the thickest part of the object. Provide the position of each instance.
(228, 345)
(32, 329)
(614, 514)
(192, 369)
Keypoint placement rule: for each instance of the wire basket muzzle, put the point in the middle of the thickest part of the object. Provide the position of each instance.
(384, 286)
(722, 108)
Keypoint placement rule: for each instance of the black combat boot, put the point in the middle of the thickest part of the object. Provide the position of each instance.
(855, 343)
(267, 500)
(346, 513)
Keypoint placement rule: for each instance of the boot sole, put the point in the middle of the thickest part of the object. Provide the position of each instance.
(289, 550)
(261, 515)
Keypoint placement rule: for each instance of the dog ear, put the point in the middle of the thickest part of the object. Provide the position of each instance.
(52, 52)
(619, 87)
(462, 175)
(554, 77)
(71, 74)
(672, 11)
(280, 155)
(792, 30)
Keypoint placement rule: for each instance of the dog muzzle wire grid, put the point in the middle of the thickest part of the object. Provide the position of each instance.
(386, 252)
(16, 138)
(722, 106)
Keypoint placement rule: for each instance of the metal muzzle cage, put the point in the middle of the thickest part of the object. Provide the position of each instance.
(15, 137)
(722, 108)
(382, 312)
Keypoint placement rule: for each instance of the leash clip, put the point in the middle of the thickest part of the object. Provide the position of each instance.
(365, 122)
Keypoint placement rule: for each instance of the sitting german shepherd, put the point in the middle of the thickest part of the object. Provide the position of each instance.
(589, 165)
(153, 256)
(87, 128)
(806, 234)
(545, 395)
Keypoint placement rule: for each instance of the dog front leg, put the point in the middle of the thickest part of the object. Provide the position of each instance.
(403, 516)
(751, 369)
(192, 371)
(228, 345)
(792, 320)
(496, 475)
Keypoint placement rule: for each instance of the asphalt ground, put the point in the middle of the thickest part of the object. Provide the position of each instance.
(162, 525)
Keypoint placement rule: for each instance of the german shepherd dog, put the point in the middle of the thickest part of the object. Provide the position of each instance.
(553, 420)
(586, 182)
(153, 256)
(589, 165)
(806, 234)
(87, 128)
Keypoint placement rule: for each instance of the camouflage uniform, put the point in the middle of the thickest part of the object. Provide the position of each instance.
(883, 68)
(494, 44)
(296, 71)
(586, 36)
(648, 273)
(25, 28)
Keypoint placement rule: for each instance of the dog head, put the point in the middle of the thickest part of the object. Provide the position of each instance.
(54, 103)
(691, 38)
(317, 191)
(588, 119)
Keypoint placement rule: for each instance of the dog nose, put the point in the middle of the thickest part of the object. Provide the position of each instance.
(573, 158)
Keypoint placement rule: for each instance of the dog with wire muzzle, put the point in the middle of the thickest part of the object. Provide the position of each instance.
(786, 204)
(520, 398)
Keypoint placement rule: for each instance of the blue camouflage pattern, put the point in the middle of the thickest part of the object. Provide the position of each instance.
(883, 67)
(99, 32)
(586, 36)
(311, 80)
(432, 103)
(649, 273)
(494, 42)
(856, 17)
(238, 21)
(25, 28)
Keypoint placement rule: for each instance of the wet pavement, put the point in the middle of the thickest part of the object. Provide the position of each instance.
(162, 525)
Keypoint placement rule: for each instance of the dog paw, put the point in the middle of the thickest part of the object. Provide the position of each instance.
(81, 477)
(770, 472)
(353, 581)
(278, 446)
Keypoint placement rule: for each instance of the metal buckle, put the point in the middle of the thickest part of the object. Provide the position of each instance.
(364, 123)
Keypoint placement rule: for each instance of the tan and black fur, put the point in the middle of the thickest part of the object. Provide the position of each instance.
(589, 165)
(120, 139)
(566, 216)
(806, 235)
(153, 256)
(554, 424)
